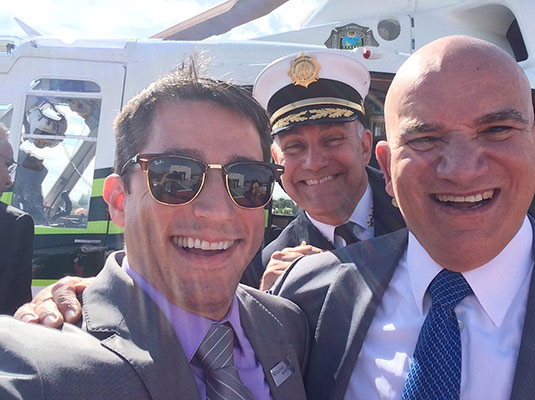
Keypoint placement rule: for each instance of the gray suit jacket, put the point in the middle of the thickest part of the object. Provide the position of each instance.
(127, 349)
(340, 291)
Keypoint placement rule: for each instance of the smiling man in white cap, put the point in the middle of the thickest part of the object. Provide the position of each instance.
(319, 128)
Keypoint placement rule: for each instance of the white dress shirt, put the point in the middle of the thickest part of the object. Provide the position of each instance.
(362, 216)
(491, 322)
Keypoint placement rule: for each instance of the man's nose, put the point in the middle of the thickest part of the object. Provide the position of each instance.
(315, 158)
(214, 202)
(462, 160)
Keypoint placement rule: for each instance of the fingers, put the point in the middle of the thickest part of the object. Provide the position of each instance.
(48, 313)
(292, 253)
(27, 313)
(55, 304)
(66, 302)
(281, 260)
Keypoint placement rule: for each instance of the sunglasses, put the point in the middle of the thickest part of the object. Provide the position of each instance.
(177, 180)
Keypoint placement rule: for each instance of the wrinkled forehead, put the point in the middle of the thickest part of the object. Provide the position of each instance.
(462, 93)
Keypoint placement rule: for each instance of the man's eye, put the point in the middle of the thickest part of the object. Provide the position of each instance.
(293, 147)
(334, 141)
(423, 143)
(498, 132)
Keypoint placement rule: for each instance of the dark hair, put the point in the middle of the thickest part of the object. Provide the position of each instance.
(133, 124)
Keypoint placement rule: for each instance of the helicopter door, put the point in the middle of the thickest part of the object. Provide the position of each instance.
(62, 137)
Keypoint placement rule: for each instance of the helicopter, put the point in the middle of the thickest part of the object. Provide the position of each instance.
(58, 99)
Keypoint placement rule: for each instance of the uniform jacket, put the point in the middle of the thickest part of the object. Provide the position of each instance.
(340, 292)
(386, 217)
(16, 249)
(127, 349)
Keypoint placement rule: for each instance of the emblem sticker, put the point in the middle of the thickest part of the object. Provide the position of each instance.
(304, 70)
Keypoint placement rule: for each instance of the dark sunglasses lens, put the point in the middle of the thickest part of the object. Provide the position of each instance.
(250, 185)
(174, 180)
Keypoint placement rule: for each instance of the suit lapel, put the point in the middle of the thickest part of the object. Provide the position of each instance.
(349, 307)
(132, 326)
(386, 217)
(524, 380)
(308, 232)
(270, 349)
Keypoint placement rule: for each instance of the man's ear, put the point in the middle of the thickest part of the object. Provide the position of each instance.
(114, 194)
(366, 144)
(275, 152)
(382, 153)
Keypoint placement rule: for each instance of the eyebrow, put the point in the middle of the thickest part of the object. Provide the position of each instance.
(502, 115)
(413, 126)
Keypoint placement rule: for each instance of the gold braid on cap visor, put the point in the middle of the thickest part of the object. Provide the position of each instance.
(339, 109)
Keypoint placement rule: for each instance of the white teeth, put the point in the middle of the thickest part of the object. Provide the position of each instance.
(466, 199)
(192, 243)
(311, 182)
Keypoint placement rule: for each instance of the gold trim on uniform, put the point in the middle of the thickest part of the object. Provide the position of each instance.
(304, 70)
(316, 101)
(310, 115)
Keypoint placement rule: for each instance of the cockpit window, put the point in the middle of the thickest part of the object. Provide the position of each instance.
(54, 177)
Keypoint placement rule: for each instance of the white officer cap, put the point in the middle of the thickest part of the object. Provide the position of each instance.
(313, 87)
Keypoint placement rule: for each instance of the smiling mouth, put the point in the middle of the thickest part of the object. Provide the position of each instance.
(202, 247)
(466, 202)
(312, 182)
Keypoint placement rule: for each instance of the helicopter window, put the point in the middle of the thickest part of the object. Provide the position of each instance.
(65, 85)
(54, 177)
(389, 29)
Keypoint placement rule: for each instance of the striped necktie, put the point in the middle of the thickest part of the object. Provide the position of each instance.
(215, 357)
(435, 370)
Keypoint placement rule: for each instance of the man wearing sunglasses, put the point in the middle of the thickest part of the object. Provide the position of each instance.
(316, 103)
(16, 240)
(166, 318)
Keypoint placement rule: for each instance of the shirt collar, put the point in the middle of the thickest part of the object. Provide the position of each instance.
(189, 328)
(504, 274)
(362, 215)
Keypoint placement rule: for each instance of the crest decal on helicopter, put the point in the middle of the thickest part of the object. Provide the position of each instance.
(350, 36)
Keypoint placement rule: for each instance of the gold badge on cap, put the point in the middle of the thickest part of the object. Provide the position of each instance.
(304, 70)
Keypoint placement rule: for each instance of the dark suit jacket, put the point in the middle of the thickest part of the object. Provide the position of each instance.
(340, 292)
(127, 349)
(16, 249)
(386, 217)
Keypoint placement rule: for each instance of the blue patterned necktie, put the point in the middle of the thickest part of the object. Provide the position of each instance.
(435, 370)
(215, 356)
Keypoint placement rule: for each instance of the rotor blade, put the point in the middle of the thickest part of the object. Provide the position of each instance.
(27, 29)
(219, 19)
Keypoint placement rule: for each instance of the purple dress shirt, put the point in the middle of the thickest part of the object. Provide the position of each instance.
(190, 330)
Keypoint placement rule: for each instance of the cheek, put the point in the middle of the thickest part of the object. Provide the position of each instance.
(407, 175)
(254, 221)
(289, 171)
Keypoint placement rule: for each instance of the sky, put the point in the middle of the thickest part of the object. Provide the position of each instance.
(130, 19)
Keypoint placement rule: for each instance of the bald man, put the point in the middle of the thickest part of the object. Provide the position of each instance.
(443, 309)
